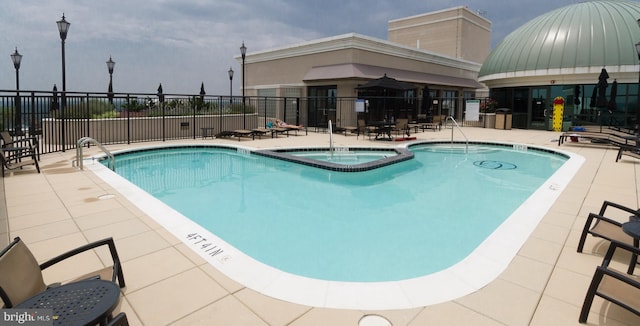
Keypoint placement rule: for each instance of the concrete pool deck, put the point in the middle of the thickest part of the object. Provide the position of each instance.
(167, 283)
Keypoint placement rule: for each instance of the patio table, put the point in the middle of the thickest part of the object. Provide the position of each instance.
(632, 228)
(86, 302)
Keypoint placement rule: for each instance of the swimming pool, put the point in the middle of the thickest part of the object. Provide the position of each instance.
(381, 194)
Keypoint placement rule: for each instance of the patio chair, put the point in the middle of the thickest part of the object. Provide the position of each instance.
(19, 159)
(14, 147)
(21, 276)
(632, 151)
(605, 227)
(612, 285)
(402, 126)
(364, 130)
(119, 320)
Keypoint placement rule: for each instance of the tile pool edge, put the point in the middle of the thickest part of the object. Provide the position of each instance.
(487, 261)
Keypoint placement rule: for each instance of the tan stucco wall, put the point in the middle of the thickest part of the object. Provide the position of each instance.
(456, 32)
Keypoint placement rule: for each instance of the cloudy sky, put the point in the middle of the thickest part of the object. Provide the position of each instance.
(181, 43)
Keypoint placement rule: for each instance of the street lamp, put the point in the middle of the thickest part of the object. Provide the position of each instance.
(230, 86)
(63, 28)
(17, 58)
(243, 51)
(110, 65)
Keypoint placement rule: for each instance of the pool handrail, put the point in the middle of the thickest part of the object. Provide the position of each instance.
(111, 163)
(455, 124)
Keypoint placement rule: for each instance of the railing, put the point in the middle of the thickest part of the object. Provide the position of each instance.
(123, 118)
(330, 137)
(111, 163)
(455, 124)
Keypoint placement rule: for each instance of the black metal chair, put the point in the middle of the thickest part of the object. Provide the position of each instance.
(119, 320)
(605, 227)
(21, 275)
(612, 285)
(15, 146)
(17, 159)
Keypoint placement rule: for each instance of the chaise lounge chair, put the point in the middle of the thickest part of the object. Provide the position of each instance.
(606, 227)
(240, 133)
(632, 151)
(21, 276)
(612, 285)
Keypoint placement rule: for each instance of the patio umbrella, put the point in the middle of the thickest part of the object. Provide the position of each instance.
(387, 83)
(202, 92)
(576, 95)
(384, 88)
(160, 94)
(594, 96)
(602, 89)
(54, 99)
(614, 93)
(426, 100)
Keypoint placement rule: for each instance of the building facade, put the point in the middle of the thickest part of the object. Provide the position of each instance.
(563, 53)
(334, 67)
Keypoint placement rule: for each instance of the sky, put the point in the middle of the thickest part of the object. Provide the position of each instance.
(183, 43)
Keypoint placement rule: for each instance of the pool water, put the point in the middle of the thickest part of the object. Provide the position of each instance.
(397, 222)
(348, 157)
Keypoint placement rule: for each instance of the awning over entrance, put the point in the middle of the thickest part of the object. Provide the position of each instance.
(356, 70)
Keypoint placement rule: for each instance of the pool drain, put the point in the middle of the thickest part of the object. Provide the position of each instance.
(374, 320)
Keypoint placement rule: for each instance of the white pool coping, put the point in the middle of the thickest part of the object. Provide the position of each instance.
(477, 270)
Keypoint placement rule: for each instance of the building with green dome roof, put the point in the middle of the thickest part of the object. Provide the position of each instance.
(562, 53)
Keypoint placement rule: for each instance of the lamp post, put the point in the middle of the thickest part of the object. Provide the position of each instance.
(63, 28)
(230, 85)
(17, 58)
(243, 52)
(110, 65)
(637, 126)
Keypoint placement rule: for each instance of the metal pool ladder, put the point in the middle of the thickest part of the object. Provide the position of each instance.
(455, 124)
(111, 163)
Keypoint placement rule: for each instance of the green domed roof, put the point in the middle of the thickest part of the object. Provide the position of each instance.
(588, 34)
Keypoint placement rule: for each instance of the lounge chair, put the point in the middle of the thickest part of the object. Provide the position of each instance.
(605, 227)
(632, 151)
(246, 133)
(613, 285)
(19, 159)
(289, 127)
(598, 138)
(275, 130)
(240, 133)
(21, 276)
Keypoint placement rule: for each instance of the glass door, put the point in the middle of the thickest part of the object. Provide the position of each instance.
(540, 113)
(322, 105)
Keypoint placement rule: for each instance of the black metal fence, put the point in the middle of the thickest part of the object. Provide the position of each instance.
(60, 119)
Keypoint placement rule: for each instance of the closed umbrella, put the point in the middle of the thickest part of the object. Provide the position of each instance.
(594, 96)
(614, 93)
(426, 100)
(602, 89)
(54, 99)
